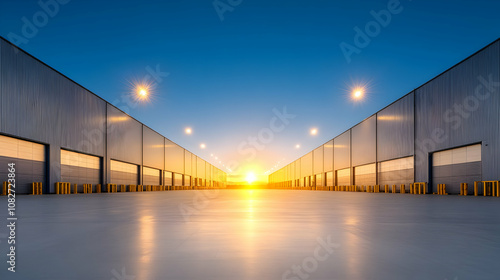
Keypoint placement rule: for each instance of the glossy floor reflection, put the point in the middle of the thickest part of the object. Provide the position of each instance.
(259, 234)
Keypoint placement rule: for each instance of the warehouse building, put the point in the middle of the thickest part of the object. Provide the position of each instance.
(446, 131)
(55, 130)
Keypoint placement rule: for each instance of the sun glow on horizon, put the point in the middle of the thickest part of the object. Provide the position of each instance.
(251, 178)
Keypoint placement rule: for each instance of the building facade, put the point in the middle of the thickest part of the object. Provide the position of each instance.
(55, 130)
(446, 131)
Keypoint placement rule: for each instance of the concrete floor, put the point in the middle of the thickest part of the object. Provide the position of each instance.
(259, 234)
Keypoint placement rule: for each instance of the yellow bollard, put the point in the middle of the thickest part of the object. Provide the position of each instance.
(493, 189)
(402, 190)
(75, 189)
(498, 188)
(4, 191)
(476, 189)
(393, 188)
(485, 189)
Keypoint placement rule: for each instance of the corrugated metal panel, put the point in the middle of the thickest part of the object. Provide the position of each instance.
(328, 156)
(306, 165)
(34, 107)
(124, 137)
(208, 172)
(200, 168)
(154, 149)
(297, 169)
(52, 109)
(342, 150)
(395, 129)
(318, 160)
(193, 165)
(363, 142)
(187, 163)
(458, 108)
(174, 157)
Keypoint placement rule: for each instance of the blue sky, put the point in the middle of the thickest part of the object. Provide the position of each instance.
(225, 77)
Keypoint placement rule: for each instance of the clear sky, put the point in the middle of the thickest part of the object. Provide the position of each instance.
(233, 64)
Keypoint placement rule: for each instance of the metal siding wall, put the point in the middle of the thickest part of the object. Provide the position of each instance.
(124, 137)
(200, 169)
(193, 165)
(187, 163)
(174, 157)
(58, 112)
(364, 142)
(342, 151)
(318, 160)
(437, 112)
(297, 169)
(395, 130)
(153, 147)
(306, 162)
(48, 107)
(328, 156)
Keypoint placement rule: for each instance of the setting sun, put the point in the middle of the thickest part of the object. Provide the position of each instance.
(251, 178)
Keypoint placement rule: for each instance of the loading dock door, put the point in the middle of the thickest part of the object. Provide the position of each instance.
(124, 173)
(30, 163)
(455, 166)
(80, 169)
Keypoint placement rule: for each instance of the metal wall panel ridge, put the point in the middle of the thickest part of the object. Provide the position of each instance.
(40, 104)
(153, 146)
(174, 157)
(124, 136)
(318, 160)
(342, 150)
(306, 162)
(200, 169)
(458, 108)
(328, 156)
(363, 142)
(187, 163)
(395, 129)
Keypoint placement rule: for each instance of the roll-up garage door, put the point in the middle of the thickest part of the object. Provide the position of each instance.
(343, 177)
(124, 173)
(29, 159)
(80, 169)
(151, 176)
(177, 180)
(365, 175)
(456, 166)
(168, 178)
(187, 180)
(396, 172)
